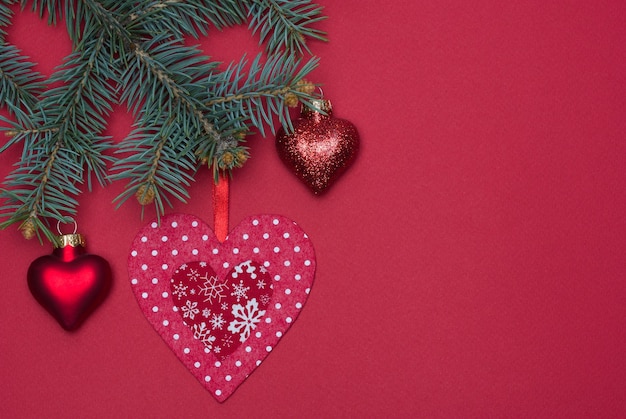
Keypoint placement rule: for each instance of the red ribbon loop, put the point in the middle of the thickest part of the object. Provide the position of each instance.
(220, 207)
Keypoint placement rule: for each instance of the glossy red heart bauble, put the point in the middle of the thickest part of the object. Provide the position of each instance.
(70, 283)
(320, 148)
(221, 307)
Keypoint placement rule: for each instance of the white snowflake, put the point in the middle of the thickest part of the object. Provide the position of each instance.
(217, 321)
(203, 334)
(206, 312)
(190, 309)
(180, 290)
(260, 284)
(265, 299)
(240, 291)
(217, 349)
(263, 270)
(246, 319)
(227, 340)
(203, 264)
(182, 267)
(192, 291)
(224, 306)
(193, 275)
(212, 288)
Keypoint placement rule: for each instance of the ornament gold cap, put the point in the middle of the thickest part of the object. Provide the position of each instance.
(72, 240)
(319, 105)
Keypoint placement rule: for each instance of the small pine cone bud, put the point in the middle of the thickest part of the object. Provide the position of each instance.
(28, 229)
(241, 158)
(227, 160)
(305, 86)
(145, 194)
(291, 100)
(10, 133)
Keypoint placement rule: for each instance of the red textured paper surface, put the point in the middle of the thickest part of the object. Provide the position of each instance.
(166, 266)
(470, 264)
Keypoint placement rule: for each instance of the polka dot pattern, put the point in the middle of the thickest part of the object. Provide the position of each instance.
(274, 242)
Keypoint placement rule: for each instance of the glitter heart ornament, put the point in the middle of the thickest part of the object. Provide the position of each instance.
(221, 307)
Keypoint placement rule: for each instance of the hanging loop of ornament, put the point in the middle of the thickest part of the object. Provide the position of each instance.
(72, 239)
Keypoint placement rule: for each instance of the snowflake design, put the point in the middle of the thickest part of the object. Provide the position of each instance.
(212, 288)
(246, 319)
(263, 270)
(190, 309)
(203, 334)
(224, 306)
(206, 313)
(180, 290)
(183, 267)
(265, 299)
(193, 275)
(203, 264)
(217, 321)
(217, 349)
(240, 291)
(227, 340)
(260, 284)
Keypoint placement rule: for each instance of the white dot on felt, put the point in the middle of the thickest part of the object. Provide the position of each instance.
(144, 295)
(225, 265)
(155, 252)
(144, 267)
(144, 239)
(268, 348)
(255, 250)
(218, 364)
(279, 334)
(194, 252)
(307, 263)
(194, 224)
(298, 277)
(268, 320)
(275, 221)
(134, 281)
(238, 363)
(288, 319)
(266, 236)
(155, 309)
(277, 306)
(176, 336)
(246, 236)
(186, 350)
(155, 281)
(258, 362)
(184, 238)
(287, 291)
(166, 323)
(218, 392)
(266, 263)
(196, 364)
(164, 266)
(174, 224)
(165, 294)
(205, 237)
(174, 252)
(298, 305)
(296, 249)
(276, 249)
(174, 308)
(133, 253)
(248, 349)
(277, 278)
(235, 251)
(285, 235)
(215, 251)
(308, 290)
(207, 378)
(255, 222)
(258, 334)
(228, 378)
(287, 263)
(164, 239)
(154, 225)
(206, 350)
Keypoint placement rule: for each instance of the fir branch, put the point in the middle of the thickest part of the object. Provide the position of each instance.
(284, 25)
(260, 95)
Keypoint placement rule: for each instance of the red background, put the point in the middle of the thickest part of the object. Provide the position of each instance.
(470, 264)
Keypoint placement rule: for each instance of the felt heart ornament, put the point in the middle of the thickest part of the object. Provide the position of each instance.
(221, 307)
